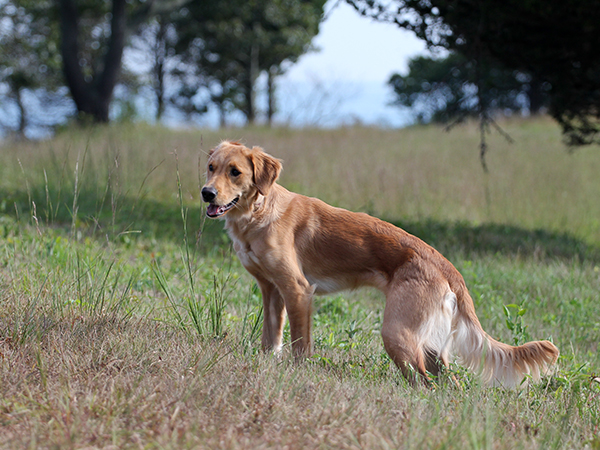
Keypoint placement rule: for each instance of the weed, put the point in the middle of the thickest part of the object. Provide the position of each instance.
(514, 322)
(217, 300)
(251, 322)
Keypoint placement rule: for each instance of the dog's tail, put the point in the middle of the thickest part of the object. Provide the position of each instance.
(498, 364)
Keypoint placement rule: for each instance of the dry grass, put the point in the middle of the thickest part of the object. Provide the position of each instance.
(105, 384)
(110, 338)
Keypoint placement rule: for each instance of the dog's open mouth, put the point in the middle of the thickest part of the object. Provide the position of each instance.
(213, 210)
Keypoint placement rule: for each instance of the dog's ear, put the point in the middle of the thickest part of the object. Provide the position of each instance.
(266, 169)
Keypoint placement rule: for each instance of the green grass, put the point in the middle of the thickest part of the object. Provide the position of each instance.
(127, 322)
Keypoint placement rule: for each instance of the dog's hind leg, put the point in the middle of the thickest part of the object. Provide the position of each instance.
(434, 363)
(401, 343)
(402, 348)
(416, 327)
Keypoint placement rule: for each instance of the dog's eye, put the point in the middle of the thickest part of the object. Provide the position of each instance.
(210, 168)
(235, 172)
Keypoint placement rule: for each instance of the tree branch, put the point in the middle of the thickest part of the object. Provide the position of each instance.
(151, 8)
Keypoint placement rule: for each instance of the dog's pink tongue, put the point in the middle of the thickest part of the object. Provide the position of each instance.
(211, 210)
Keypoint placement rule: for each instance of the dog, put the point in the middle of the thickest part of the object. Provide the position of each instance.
(296, 246)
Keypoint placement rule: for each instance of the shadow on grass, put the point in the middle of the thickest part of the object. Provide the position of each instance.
(123, 217)
(119, 218)
(469, 239)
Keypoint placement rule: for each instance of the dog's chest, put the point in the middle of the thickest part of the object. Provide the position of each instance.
(248, 258)
(244, 252)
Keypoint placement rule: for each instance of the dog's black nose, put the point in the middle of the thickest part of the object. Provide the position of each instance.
(208, 194)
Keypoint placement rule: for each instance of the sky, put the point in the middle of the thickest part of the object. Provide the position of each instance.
(347, 76)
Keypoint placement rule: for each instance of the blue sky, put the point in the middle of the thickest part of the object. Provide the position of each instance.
(356, 58)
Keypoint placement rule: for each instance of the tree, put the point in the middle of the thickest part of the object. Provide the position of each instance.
(210, 49)
(93, 36)
(233, 42)
(289, 33)
(451, 88)
(224, 47)
(155, 44)
(29, 61)
(555, 41)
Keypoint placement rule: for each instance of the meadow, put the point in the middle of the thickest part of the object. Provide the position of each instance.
(126, 320)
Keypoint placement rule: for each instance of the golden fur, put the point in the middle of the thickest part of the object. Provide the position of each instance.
(296, 246)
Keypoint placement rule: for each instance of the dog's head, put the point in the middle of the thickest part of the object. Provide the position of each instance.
(235, 176)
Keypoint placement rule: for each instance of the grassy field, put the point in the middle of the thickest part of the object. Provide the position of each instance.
(127, 322)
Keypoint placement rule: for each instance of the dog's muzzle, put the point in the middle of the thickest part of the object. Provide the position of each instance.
(213, 210)
(209, 194)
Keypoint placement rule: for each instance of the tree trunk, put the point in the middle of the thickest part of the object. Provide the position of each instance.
(222, 115)
(18, 96)
(253, 70)
(23, 116)
(92, 98)
(159, 68)
(537, 97)
(271, 110)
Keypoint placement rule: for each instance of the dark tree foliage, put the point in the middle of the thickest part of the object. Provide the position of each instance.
(231, 43)
(156, 45)
(213, 51)
(93, 37)
(455, 87)
(155, 42)
(556, 41)
(29, 64)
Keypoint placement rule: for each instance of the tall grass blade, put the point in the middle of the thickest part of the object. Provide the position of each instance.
(164, 285)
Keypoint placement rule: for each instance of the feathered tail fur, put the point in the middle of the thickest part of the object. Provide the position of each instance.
(498, 364)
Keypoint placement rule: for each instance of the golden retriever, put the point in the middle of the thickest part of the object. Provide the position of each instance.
(296, 246)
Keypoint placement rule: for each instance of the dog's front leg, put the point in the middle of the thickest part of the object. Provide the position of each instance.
(297, 294)
(273, 316)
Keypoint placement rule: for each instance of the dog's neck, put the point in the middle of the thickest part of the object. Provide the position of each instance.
(250, 216)
(258, 204)
(260, 212)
